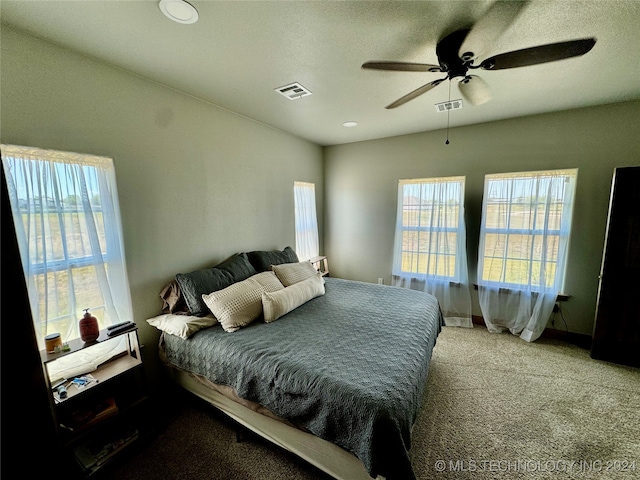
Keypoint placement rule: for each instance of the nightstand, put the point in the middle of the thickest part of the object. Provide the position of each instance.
(321, 264)
(99, 420)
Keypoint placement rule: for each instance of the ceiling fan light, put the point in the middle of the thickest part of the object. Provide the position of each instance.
(467, 56)
(474, 90)
(179, 11)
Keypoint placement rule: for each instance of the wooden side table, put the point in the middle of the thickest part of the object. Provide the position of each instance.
(321, 264)
(101, 419)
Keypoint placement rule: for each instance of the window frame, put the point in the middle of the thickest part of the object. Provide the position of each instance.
(77, 227)
(398, 263)
(307, 240)
(562, 232)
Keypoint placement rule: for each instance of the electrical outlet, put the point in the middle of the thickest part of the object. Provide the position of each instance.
(380, 281)
(556, 308)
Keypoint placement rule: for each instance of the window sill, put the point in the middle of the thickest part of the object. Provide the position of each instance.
(411, 277)
(562, 297)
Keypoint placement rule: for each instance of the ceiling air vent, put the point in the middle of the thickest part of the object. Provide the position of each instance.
(293, 91)
(450, 105)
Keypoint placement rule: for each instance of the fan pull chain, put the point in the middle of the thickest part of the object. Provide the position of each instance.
(448, 113)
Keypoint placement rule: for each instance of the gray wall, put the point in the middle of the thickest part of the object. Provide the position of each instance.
(196, 183)
(361, 187)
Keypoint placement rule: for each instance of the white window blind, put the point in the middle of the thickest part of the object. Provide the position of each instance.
(66, 212)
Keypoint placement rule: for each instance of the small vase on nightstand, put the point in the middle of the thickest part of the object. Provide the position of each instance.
(89, 329)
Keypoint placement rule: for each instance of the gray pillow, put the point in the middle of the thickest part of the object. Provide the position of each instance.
(262, 260)
(238, 267)
(201, 282)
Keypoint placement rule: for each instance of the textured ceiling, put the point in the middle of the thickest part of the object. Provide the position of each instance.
(240, 51)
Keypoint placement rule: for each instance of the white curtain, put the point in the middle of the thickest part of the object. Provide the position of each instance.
(430, 244)
(524, 237)
(65, 209)
(306, 220)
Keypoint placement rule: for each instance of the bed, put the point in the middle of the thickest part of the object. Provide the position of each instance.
(337, 377)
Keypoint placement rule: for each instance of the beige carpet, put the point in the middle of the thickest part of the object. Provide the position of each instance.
(510, 409)
(496, 407)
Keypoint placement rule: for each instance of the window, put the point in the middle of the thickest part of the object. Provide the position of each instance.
(526, 221)
(430, 227)
(430, 244)
(306, 220)
(67, 218)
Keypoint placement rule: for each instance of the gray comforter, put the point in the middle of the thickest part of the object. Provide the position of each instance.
(349, 366)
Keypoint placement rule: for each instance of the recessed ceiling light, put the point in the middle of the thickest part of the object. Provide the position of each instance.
(179, 11)
(350, 124)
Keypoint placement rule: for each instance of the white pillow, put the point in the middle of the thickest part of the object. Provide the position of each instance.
(277, 304)
(241, 303)
(182, 326)
(290, 273)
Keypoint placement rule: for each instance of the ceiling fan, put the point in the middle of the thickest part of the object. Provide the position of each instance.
(458, 52)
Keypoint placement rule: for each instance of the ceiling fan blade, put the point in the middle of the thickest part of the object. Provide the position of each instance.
(541, 54)
(402, 66)
(474, 90)
(417, 92)
(486, 31)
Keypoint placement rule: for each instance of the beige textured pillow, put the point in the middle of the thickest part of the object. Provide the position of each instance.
(277, 304)
(238, 305)
(290, 273)
(182, 326)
